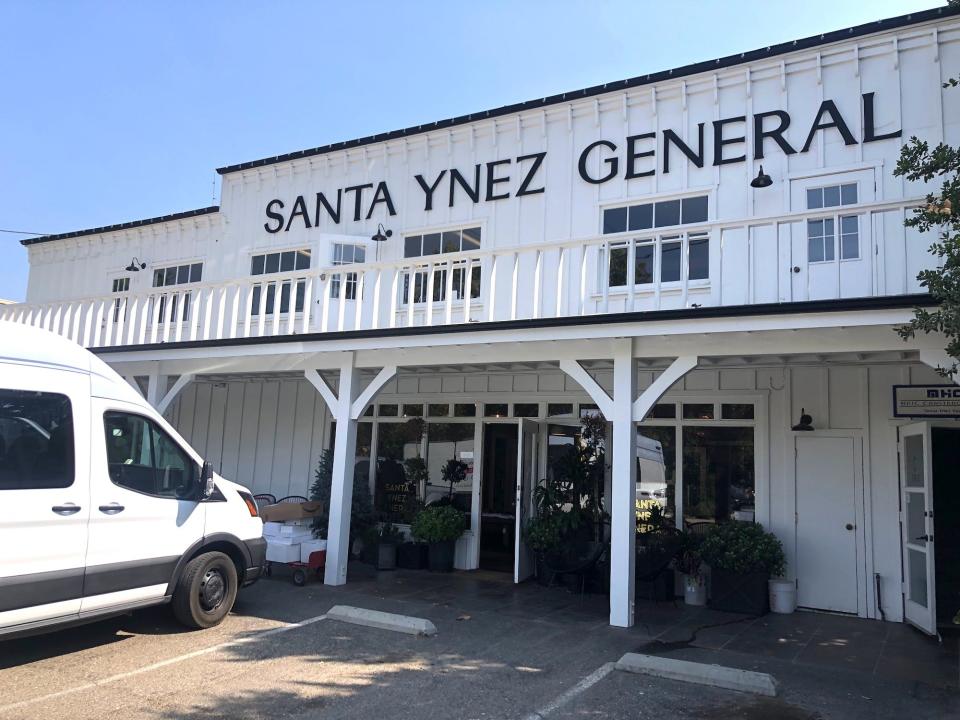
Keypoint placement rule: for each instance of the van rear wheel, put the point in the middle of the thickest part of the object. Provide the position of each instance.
(205, 591)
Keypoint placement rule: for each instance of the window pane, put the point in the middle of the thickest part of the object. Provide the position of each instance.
(388, 410)
(396, 497)
(36, 441)
(655, 486)
(663, 410)
(831, 196)
(450, 448)
(643, 264)
(589, 409)
(848, 194)
(464, 410)
(526, 409)
(338, 250)
(815, 251)
(618, 266)
(814, 198)
(255, 301)
(287, 261)
(718, 474)
(849, 247)
(271, 295)
(413, 410)
(438, 410)
(849, 224)
(699, 258)
(641, 217)
(143, 458)
(471, 239)
(451, 241)
(557, 409)
(614, 220)
(359, 254)
(736, 411)
(667, 213)
(301, 290)
(828, 239)
(285, 298)
(411, 246)
(158, 278)
(431, 244)
(170, 276)
(495, 410)
(698, 411)
(670, 262)
(256, 265)
(475, 281)
(273, 263)
(183, 274)
(694, 209)
(196, 272)
(303, 260)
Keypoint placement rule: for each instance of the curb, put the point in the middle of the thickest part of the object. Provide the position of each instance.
(382, 620)
(699, 673)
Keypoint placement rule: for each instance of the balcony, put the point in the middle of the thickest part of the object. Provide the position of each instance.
(756, 260)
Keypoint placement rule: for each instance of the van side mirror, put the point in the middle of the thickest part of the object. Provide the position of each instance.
(206, 480)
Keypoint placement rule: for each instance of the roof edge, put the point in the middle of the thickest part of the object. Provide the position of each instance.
(673, 74)
(122, 226)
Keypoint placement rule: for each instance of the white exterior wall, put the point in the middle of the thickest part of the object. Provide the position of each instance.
(268, 434)
(904, 68)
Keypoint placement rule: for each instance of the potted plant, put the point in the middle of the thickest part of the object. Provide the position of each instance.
(453, 473)
(362, 514)
(439, 526)
(689, 563)
(389, 538)
(542, 535)
(742, 557)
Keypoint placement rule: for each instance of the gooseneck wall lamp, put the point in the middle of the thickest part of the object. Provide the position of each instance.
(135, 265)
(380, 236)
(762, 180)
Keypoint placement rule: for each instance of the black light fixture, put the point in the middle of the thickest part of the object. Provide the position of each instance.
(762, 180)
(135, 265)
(806, 422)
(382, 234)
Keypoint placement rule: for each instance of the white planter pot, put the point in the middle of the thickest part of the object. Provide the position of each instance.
(694, 591)
(783, 596)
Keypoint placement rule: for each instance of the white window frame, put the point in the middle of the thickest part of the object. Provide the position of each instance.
(656, 241)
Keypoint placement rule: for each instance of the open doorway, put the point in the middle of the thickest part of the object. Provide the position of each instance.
(498, 497)
(946, 524)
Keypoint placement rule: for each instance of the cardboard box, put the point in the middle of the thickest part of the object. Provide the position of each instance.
(290, 539)
(290, 511)
(282, 553)
(311, 546)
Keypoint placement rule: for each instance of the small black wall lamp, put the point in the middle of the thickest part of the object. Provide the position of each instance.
(806, 422)
(382, 234)
(762, 180)
(135, 265)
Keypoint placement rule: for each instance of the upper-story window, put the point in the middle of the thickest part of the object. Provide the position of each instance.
(278, 262)
(120, 285)
(657, 257)
(448, 241)
(828, 237)
(663, 213)
(177, 275)
(346, 254)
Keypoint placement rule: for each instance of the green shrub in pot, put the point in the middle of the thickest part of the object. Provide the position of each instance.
(742, 557)
(439, 526)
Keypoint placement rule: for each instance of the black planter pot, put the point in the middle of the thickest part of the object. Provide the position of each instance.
(412, 556)
(386, 556)
(738, 593)
(441, 556)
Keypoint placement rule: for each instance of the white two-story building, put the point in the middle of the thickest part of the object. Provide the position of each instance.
(702, 254)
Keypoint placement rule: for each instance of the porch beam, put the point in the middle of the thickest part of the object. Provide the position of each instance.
(604, 402)
(648, 398)
(386, 374)
(320, 384)
(171, 395)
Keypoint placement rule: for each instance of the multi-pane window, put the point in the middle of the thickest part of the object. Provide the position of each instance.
(647, 216)
(279, 262)
(421, 284)
(829, 237)
(660, 259)
(448, 241)
(120, 285)
(170, 277)
(345, 254)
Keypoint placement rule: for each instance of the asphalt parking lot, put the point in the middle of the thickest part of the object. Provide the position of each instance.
(498, 653)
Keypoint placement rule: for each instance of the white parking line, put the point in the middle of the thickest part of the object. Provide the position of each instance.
(163, 663)
(588, 682)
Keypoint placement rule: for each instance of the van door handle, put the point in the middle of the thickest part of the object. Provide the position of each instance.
(111, 509)
(68, 509)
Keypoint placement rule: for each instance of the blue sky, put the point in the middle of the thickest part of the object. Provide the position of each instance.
(116, 111)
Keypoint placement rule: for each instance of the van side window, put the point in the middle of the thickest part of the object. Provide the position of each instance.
(143, 458)
(36, 440)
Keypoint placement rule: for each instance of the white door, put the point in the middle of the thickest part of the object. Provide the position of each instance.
(144, 509)
(916, 480)
(527, 463)
(827, 471)
(44, 492)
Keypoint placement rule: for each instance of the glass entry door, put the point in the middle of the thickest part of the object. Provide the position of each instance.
(916, 480)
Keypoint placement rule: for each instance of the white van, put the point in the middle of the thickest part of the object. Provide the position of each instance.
(104, 508)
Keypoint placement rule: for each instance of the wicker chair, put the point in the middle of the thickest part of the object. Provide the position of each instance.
(293, 499)
(264, 499)
(578, 558)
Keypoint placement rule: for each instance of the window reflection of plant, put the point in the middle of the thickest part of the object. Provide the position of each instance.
(411, 472)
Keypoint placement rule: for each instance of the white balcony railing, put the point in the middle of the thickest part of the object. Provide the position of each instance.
(532, 281)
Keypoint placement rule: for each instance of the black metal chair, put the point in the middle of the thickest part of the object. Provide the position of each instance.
(264, 499)
(578, 558)
(293, 499)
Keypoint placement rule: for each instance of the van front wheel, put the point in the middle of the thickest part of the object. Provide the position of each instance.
(205, 591)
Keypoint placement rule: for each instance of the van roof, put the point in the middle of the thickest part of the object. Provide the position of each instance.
(24, 343)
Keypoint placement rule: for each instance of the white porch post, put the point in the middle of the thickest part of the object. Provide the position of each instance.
(156, 386)
(623, 519)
